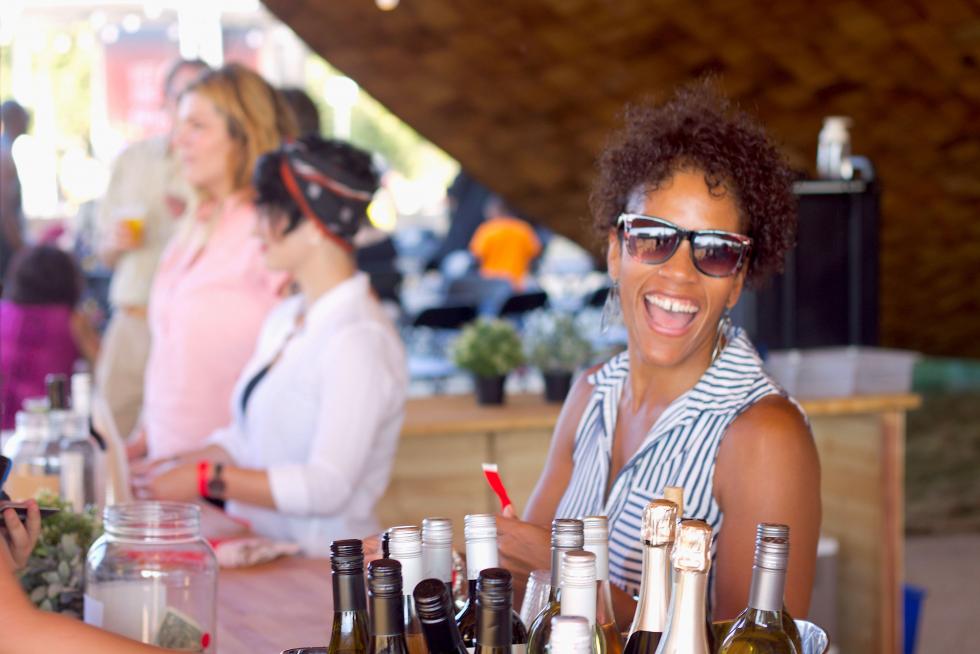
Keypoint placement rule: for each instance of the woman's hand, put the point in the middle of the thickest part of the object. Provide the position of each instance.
(523, 547)
(136, 445)
(20, 538)
(177, 483)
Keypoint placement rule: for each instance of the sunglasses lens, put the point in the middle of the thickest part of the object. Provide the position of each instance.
(652, 244)
(717, 256)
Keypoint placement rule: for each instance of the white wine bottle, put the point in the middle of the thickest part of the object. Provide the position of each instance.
(687, 626)
(405, 546)
(657, 534)
(570, 634)
(578, 593)
(759, 628)
(596, 533)
(566, 535)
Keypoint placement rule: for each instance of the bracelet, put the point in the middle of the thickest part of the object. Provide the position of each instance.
(202, 477)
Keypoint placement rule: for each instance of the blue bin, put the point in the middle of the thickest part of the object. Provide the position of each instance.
(913, 598)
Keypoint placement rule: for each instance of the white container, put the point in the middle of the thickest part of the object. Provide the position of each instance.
(842, 371)
(834, 149)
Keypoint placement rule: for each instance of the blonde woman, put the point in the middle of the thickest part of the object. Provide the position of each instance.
(212, 289)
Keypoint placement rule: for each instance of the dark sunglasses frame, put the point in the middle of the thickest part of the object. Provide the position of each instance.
(741, 243)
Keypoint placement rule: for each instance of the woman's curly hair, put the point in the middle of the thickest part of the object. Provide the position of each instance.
(699, 129)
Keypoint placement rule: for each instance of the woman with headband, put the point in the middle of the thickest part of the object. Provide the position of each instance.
(318, 408)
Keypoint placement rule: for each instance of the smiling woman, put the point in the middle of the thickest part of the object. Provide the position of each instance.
(693, 201)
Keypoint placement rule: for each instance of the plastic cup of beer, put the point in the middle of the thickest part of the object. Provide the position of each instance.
(132, 220)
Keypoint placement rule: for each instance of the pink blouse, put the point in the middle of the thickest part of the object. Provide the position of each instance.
(206, 308)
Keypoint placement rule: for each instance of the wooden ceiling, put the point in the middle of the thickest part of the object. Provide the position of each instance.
(523, 92)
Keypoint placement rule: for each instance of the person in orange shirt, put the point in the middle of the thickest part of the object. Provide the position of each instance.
(504, 245)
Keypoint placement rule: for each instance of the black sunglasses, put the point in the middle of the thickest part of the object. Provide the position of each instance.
(653, 240)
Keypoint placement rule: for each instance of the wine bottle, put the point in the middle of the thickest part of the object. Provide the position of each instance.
(385, 538)
(687, 627)
(759, 628)
(387, 621)
(578, 593)
(657, 536)
(351, 630)
(778, 531)
(437, 550)
(405, 546)
(434, 606)
(494, 613)
(480, 531)
(596, 532)
(570, 634)
(566, 535)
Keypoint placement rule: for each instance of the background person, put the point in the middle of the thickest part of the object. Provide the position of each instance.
(146, 196)
(14, 121)
(504, 245)
(212, 290)
(318, 408)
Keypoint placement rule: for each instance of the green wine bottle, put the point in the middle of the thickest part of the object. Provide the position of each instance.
(759, 628)
(351, 628)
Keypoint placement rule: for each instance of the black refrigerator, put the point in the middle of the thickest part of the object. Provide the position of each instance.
(828, 293)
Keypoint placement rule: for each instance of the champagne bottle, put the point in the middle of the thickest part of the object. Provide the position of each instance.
(405, 546)
(596, 531)
(687, 627)
(657, 535)
(387, 621)
(494, 614)
(480, 531)
(578, 593)
(759, 628)
(351, 630)
(566, 535)
(570, 634)
(434, 606)
(437, 550)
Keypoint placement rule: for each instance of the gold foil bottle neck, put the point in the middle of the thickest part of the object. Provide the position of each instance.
(692, 549)
(659, 523)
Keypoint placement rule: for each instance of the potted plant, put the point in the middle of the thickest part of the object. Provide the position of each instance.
(556, 346)
(54, 576)
(489, 349)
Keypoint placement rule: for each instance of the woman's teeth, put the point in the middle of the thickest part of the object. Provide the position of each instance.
(671, 304)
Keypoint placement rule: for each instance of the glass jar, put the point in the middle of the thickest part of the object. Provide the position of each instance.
(35, 455)
(152, 577)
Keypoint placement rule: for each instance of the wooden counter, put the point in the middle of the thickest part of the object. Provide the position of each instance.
(861, 441)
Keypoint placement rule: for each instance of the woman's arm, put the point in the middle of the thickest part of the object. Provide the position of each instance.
(526, 546)
(767, 471)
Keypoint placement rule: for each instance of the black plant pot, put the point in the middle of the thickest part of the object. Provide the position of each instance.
(557, 383)
(489, 390)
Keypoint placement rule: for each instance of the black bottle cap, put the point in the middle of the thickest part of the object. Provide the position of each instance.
(385, 578)
(493, 588)
(432, 600)
(347, 556)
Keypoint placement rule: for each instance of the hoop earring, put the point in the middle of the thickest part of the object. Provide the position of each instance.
(721, 337)
(612, 310)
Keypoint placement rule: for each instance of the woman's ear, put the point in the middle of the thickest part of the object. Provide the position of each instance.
(736, 291)
(614, 254)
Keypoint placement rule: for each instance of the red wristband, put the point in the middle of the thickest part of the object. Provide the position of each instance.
(202, 477)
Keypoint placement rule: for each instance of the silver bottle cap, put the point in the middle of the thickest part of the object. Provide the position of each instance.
(404, 542)
(567, 534)
(578, 568)
(437, 531)
(771, 546)
(479, 526)
(596, 530)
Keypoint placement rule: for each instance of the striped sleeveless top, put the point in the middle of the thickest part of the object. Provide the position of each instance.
(679, 450)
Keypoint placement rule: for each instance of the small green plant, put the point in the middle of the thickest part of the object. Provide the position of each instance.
(554, 342)
(55, 573)
(488, 348)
